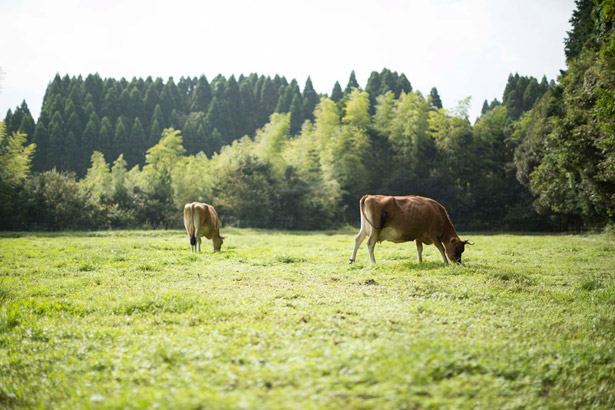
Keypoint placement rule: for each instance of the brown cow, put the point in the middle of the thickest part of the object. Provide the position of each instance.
(202, 220)
(408, 218)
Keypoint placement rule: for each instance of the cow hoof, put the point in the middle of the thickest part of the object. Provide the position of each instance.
(350, 261)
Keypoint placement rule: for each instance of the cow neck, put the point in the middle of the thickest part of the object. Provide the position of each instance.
(449, 231)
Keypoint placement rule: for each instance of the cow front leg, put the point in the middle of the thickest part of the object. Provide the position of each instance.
(441, 249)
(371, 244)
(198, 244)
(358, 240)
(419, 249)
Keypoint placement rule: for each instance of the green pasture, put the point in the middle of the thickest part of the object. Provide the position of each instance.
(279, 320)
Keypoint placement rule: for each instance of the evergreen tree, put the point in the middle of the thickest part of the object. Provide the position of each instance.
(152, 100)
(170, 98)
(135, 105)
(57, 141)
(93, 86)
(583, 28)
(27, 127)
(201, 96)
(156, 132)
(352, 83)
(8, 120)
(403, 84)
(136, 147)
(89, 140)
(310, 100)
(388, 82)
(434, 99)
(250, 107)
(235, 120)
(485, 108)
(336, 93)
(105, 137)
(189, 134)
(120, 138)
(174, 120)
(296, 114)
(268, 100)
(111, 102)
(218, 118)
(41, 155)
(531, 94)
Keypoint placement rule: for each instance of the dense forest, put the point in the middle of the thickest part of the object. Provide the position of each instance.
(108, 153)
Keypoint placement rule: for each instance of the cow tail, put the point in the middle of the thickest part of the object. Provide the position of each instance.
(194, 222)
(383, 215)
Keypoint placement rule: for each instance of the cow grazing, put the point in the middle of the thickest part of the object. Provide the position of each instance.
(408, 218)
(202, 220)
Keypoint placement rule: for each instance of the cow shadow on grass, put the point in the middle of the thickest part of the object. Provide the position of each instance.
(423, 266)
(386, 264)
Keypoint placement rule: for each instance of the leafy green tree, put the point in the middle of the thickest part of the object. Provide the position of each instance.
(158, 208)
(271, 138)
(244, 191)
(97, 183)
(15, 159)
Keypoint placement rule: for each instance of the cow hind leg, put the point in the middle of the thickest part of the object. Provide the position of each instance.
(198, 244)
(371, 244)
(358, 240)
(419, 249)
(441, 249)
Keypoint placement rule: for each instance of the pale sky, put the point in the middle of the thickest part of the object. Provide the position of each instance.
(462, 47)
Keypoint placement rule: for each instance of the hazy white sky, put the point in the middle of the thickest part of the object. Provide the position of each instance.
(462, 47)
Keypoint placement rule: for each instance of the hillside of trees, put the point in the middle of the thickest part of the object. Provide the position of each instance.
(119, 117)
(110, 153)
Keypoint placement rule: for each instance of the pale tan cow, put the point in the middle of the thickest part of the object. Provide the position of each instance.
(408, 218)
(202, 220)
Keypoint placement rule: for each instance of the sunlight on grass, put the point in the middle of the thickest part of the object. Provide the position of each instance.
(133, 319)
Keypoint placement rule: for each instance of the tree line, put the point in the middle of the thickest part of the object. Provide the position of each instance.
(120, 117)
(541, 159)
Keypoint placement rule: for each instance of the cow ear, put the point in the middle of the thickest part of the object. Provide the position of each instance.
(467, 242)
(455, 241)
(222, 236)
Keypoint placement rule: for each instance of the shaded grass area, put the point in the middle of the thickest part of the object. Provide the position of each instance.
(133, 319)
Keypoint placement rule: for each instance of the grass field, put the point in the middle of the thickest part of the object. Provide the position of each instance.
(133, 319)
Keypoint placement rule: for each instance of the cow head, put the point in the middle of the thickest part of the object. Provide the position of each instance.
(218, 242)
(455, 247)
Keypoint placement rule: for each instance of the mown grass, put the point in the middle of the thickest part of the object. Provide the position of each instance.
(133, 319)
